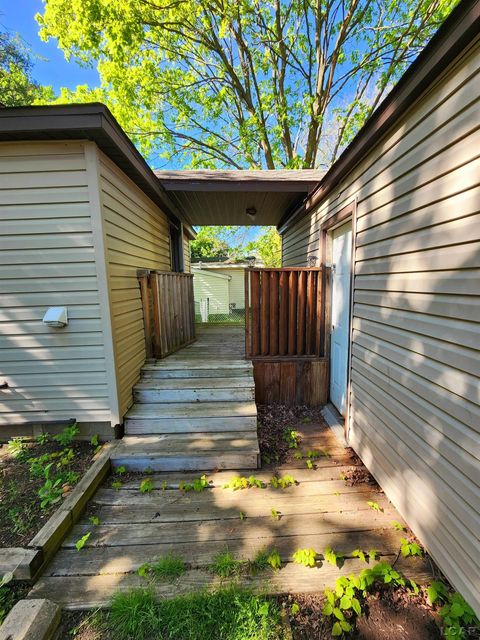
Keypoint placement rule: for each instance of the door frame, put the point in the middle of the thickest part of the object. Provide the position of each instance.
(345, 214)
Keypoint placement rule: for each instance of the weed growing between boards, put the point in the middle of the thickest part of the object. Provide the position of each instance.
(36, 475)
(225, 614)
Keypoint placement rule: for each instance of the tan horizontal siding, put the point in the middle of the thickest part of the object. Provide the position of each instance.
(47, 259)
(136, 236)
(415, 372)
(187, 260)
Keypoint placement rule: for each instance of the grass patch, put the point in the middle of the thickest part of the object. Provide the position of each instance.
(225, 565)
(227, 614)
(166, 568)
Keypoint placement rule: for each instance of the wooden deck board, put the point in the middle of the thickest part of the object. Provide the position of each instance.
(136, 527)
(85, 592)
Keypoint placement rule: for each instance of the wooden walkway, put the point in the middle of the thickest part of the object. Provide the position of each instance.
(320, 511)
(194, 409)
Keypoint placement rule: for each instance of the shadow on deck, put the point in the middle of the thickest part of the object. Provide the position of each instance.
(319, 511)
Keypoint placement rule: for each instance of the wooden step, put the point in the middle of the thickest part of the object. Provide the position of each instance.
(178, 390)
(203, 417)
(200, 451)
(197, 368)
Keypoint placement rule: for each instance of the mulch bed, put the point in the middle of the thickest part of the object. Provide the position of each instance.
(273, 420)
(21, 516)
(76, 625)
(396, 615)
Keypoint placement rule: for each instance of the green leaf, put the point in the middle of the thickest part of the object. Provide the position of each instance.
(327, 609)
(95, 520)
(117, 484)
(345, 603)
(338, 613)
(374, 505)
(337, 629)
(294, 609)
(146, 485)
(356, 606)
(81, 542)
(121, 470)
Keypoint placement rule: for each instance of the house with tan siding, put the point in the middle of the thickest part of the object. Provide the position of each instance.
(397, 222)
(387, 322)
(80, 218)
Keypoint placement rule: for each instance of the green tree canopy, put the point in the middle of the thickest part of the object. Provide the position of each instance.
(222, 242)
(17, 86)
(242, 83)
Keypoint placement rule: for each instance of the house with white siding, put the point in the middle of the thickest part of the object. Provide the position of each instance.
(393, 228)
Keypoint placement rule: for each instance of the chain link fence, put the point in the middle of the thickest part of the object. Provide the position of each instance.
(208, 311)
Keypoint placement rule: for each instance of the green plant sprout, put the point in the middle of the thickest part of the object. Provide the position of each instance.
(81, 542)
(276, 515)
(375, 506)
(282, 483)
(146, 485)
(291, 437)
(307, 557)
(333, 557)
(240, 482)
(198, 484)
(117, 484)
(408, 548)
(95, 520)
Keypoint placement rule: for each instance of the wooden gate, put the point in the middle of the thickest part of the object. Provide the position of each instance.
(285, 334)
(168, 311)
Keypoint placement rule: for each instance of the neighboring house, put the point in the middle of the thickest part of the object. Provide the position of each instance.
(222, 284)
(398, 218)
(211, 291)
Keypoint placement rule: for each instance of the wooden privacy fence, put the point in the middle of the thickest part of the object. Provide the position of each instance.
(168, 311)
(284, 312)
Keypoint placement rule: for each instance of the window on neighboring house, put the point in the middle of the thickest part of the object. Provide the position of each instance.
(176, 248)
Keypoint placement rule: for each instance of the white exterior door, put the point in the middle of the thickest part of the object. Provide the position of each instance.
(341, 270)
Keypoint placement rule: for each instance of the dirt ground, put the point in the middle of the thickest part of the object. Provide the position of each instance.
(21, 515)
(389, 615)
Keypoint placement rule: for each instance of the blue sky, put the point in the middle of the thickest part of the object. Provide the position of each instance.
(19, 16)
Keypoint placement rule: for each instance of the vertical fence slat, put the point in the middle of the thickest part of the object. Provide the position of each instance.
(265, 308)
(319, 345)
(283, 319)
(292, 312)
(247, 314)
(273, 313)
(310, 312)
(302, 297)
(255, 287)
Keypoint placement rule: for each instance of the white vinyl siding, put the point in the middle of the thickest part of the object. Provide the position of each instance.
(236, 286)
(136, 237)
(47, 259)
(211, 286)
(415, 372)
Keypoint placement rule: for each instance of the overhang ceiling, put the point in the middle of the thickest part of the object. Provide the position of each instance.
(223, 197)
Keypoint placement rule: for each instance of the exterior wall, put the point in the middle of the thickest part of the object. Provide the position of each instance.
(136, 236)
(213, 286)
(47, 258)
(236, 285)
(187, 261)
(415, 367)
